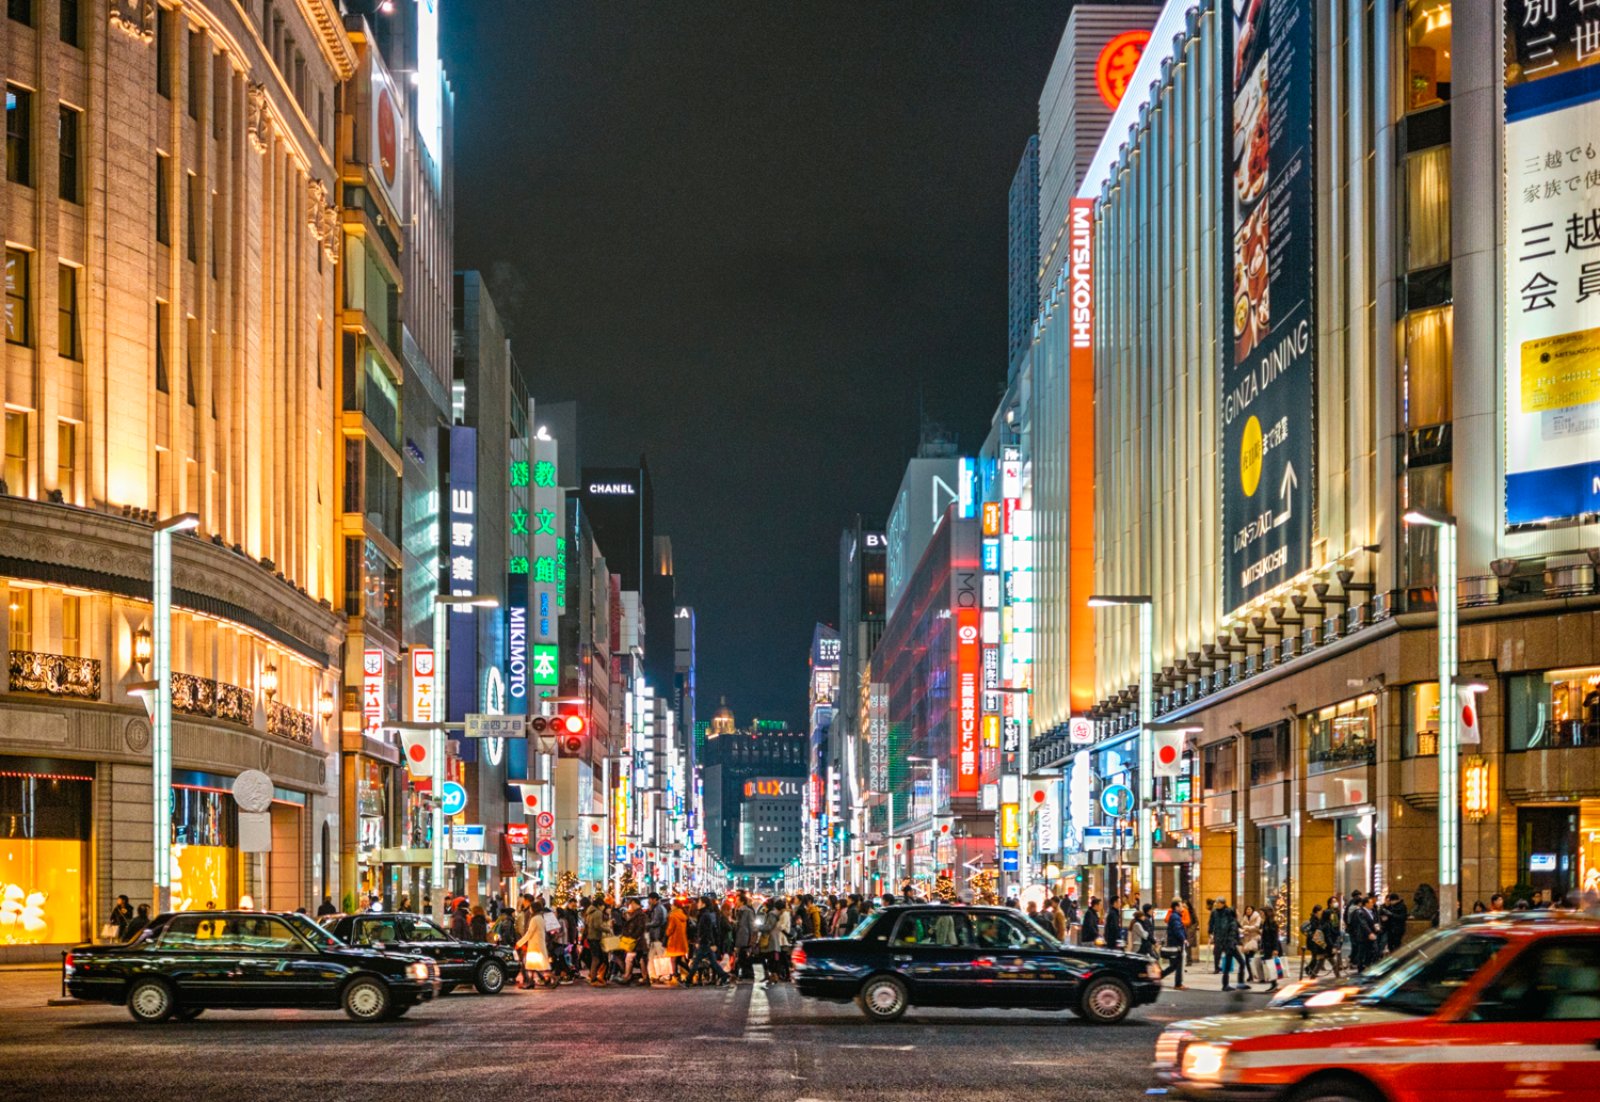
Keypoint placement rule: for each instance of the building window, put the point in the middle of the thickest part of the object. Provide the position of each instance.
(1428, 366)
(16, 469)
(72, 626)
(21, 618)
(166, 23)
(1427, 53)
(197, 63)
(1426, 488)
(19, 306)
(67, 460)
(1419, 727)
(19, 135)
(163, 381)
(20, 11)
(68, 127)
(1217, 766)
(191, 359)
(1555, 710)
(1342, 735)
(163, 200)
(216, 233)
(71, 23)
(191, 214)
(1428, 208)
(67, 313)
(1269, 754)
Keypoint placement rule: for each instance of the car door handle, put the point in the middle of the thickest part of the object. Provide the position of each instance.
(902, 957)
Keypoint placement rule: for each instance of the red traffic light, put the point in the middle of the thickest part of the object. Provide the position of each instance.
(572, 725)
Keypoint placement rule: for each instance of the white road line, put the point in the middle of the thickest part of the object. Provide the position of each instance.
(758, 1019)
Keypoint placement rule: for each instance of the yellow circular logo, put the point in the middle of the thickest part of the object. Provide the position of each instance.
(1250, 457)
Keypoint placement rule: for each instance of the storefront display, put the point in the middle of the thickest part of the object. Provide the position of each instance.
(44, 850)
(205, 845)
(1554, 710)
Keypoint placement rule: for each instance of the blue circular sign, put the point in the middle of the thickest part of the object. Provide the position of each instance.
(544, 847)
(1116, 800)
(454, 798)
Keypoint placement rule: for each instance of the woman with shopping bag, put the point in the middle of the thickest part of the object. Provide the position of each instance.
(535, 952)
(677, 953)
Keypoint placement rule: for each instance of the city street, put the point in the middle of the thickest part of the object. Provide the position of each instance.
(581, 1043)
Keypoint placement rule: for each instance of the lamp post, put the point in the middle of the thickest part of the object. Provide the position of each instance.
(1146, 609)
(161, 707)
(442, 601)
(1449, 731)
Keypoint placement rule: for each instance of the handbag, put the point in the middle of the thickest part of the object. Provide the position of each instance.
(627, 944)
(535, 961)
(551, 922)
(611, 943)
(111, 932)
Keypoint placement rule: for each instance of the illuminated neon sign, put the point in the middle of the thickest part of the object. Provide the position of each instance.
(1116, 63)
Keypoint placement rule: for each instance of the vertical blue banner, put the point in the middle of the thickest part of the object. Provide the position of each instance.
(460, 543)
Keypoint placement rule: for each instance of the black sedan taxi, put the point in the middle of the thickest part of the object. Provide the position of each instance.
(950, 955)
(484, 965)
(184, 964)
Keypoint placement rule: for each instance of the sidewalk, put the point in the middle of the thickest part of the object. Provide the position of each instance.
(1199, 976)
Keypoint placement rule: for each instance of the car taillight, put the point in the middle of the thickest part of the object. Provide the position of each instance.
(66, 963)
(798, 956)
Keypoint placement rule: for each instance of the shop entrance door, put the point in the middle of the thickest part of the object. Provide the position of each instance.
(1547, 849)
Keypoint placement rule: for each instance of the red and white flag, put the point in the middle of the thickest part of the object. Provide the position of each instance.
(530, 797)
(1471, 733)
(1168, 752)
(418, 747)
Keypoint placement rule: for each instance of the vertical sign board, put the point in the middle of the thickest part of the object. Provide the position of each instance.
(878, 736)
(461, 566)
(1268, 401)
(1552, 267)
(1080, 453)
(422, 688)
(372, 690)
(517, 683)
(545, 527)
(966, 581)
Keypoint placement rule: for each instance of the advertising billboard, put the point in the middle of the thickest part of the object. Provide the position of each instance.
(1552, 264)
(1268, 396)
(386, 132)
(461, 543)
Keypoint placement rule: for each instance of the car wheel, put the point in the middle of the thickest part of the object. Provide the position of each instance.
(150, 1002)
(1106, 1000)
(883, 998)
(491, 978)
(189, 1013)
(1334, 1090)
(366, 1000)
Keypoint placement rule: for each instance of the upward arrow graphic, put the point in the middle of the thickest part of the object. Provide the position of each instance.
(1290, 481)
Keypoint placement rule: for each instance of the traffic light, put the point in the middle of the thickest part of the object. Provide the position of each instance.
(569, 730)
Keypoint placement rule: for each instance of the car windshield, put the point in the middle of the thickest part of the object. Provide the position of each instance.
(1436, 969)
(313, 931)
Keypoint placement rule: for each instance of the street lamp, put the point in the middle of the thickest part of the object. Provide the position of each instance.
(933, 815)
(161, 708)
(1449, 732)
(1146, 749)
(442, 601)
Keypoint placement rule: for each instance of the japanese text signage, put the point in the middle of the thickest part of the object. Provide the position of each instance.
(1552, 264)
(878, 736)
(372, 690)
(461, 550)
(1268, 395)
(422, 676)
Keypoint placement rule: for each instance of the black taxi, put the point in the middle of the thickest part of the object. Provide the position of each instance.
(485, 965)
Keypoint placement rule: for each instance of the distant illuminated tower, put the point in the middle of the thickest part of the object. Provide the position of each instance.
(722, 721)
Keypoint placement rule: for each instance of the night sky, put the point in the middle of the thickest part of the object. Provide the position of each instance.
(743, 236)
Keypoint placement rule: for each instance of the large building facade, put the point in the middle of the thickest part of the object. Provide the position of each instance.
(171, 246)
(1255, 465)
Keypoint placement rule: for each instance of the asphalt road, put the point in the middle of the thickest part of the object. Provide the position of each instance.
(576, 1044)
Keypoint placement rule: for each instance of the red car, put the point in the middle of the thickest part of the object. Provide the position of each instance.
(1494, 1008)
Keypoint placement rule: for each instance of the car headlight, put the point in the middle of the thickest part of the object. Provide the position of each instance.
(1203, 1061)
(419, 971)
(1167, 1046)
(1152, 971)
(1289, 992)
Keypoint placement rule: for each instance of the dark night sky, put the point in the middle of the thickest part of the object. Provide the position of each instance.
(742, 235)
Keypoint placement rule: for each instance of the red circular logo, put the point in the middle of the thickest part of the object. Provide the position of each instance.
(417, 752)
(1355, 795)
(1167, 754)
(530, 801)
(594, 828)
(1113, 69)
(1467, 717)
(1038, 795)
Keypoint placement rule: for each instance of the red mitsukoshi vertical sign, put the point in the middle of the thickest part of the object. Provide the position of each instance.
(969, 668)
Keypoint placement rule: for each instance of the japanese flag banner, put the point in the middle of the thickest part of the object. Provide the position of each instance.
(530, 797)
(418, 748)
(1471, 733)
(1167, 753)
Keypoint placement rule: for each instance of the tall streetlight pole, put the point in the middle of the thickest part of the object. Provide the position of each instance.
(441, 649)
(1449, 731)
(160, 707)
(1146, 609)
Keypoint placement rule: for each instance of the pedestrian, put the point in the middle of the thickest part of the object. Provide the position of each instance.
(596, 930)
(708, 940)
(779, 926)
(504, 931)
(656, 922)
(1177, 942)
(1211, 934)
(1058, 921)
(1395, 917)
(1271, 949)
(635, 943)
(478, 925)
(137, 924)
(1333, 917)
(1191, 947)
(1225, 945)
(1142, 931)
(1249, 941)
(121, 917)
(677, 942)
(1111, 930)
(1314, 936)
(534, 951)
(1362, 930)
(1089, 931)
(744, 940)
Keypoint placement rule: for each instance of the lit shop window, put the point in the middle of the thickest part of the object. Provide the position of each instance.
(1428, 208)
(1556, 710)
(1420, 726)
(1427, 53)
(1342, 734)
(44, 820)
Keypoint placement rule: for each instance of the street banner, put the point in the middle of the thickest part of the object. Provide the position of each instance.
(1268, 392)
(1168, 752)
(418, 747)
(1471, 732)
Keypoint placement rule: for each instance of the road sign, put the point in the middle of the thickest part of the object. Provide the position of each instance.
(1008, 860)
(546, 820)
(545, 847)
(1099, 837)
(454, 798)
(1116, 800)
(480, 725)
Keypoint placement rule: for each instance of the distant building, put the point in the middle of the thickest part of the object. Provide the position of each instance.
(754, 781)
(1022, 254)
